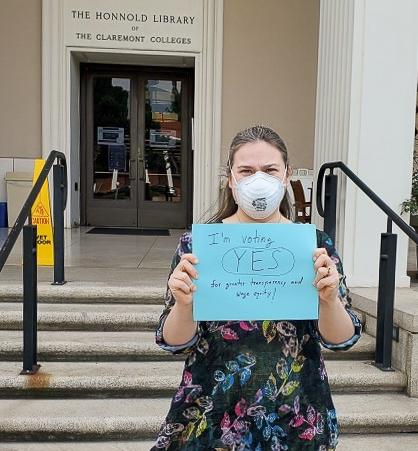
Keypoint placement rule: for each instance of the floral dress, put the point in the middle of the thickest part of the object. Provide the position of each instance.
(253, 385)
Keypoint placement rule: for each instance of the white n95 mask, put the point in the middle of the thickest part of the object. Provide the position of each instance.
(260, 194)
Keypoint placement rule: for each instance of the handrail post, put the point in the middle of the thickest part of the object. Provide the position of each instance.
(385, 300)
(387, 264)
(30, 300)
(58, 177)
(330, 205)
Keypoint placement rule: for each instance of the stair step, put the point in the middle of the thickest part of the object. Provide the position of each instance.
(78, 379)
(144, 286)
(85, 316)
(347, 442)
(75, 419)
(120, 346)
(89, 419)
(377, 413)
(362, 350)
(133, 445)
(157, 379)
(377, 442)
(86, 346)
(93, 317)
(351, 376)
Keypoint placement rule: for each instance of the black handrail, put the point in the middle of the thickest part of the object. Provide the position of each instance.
(405, 227)
(387, 265)
(30, 295)
(25, 212)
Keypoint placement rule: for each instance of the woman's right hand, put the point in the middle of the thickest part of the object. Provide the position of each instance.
(180, 281)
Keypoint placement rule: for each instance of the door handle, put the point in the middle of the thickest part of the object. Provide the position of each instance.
(132, 169)
(142, 171)
(141, 163)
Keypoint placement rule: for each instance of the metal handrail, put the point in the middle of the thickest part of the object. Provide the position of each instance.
(387, 264)
(405, 227)
(25, 212)
(30, 290)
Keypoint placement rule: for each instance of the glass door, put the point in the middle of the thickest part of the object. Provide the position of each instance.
(136, 156)
(163, 156)
(111, 156)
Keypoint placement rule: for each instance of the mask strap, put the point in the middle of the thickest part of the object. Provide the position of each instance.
(230, 168)
(284, 176)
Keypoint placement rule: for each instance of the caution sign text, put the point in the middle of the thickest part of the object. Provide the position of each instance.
(41, 217)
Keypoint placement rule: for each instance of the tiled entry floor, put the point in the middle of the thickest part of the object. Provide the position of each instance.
(116, 259)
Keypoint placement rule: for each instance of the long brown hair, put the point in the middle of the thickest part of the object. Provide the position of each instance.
(227, 205)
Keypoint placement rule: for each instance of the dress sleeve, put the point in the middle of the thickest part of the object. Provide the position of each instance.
(343, 293)
(183, 247)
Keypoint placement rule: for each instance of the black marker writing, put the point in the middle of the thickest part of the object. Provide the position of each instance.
(219, 238)
(260, 261)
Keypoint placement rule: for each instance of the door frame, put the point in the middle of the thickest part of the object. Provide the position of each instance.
(60, 99)
(87, 71)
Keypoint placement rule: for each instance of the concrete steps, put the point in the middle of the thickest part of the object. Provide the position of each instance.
(124, 346)
(146, 286)
(138, 379)
(133, 445)
(376, 413)
(86, 346)
(89, 316)
(85, 419)
(92, 317)
(140, 419)
(347, 442)
(97, 386)
(376, 442)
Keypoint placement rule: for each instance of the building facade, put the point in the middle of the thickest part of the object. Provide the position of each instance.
(144, 98)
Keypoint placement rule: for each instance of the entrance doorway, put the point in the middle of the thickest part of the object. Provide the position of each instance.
(136, 151)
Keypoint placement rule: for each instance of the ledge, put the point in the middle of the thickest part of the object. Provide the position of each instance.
(406, 305)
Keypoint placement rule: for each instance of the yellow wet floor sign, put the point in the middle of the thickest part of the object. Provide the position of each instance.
(41, 216)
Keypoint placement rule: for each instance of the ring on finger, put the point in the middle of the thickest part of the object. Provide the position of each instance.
(329, 271)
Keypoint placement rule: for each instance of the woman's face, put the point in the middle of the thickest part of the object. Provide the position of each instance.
(257, 156)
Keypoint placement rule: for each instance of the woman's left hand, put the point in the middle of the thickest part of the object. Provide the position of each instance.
(327, 277)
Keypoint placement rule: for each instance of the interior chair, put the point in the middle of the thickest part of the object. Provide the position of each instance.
(302, 207)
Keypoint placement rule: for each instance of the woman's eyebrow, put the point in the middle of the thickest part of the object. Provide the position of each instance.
(245, 166)
(269, 165)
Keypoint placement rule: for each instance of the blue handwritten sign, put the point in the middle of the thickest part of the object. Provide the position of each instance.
(254, 272)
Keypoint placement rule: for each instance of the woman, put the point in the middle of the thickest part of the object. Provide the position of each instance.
(254, 385)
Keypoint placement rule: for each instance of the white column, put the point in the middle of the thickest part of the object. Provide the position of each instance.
(208, 107)
(366, 90)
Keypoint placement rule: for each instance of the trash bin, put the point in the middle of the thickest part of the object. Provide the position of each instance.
(18, 187)
(3, 214)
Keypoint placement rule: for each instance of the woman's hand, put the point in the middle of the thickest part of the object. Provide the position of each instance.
(327, 277)
(180, 281)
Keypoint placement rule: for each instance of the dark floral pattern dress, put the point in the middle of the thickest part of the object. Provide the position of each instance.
(253, 385)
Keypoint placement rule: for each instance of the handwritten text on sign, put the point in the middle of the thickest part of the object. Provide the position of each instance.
(254, 272)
